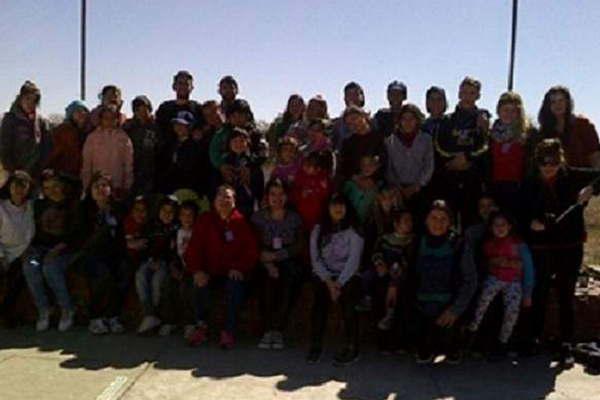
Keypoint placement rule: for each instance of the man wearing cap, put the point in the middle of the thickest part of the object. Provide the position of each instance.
(67, 140)
(386, 119)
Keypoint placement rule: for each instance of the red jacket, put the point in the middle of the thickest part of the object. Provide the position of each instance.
(309, 196)
(209, 250)
(67, 146)
(508, 161)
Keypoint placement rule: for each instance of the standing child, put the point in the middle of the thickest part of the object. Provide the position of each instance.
(155, 267)
(362, 189)
(287, 161)
(510, 271)
(436, 105)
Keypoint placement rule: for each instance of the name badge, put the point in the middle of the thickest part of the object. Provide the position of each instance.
(277, 243)
(228, 236)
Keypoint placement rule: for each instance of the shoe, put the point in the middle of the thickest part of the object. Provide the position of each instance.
(98, 327)
(314, 355)
(115, 325)
(277, 340)
(66, 320)
(198, 336)
(454, 358)
(227, 341)
(424, 358)
(365, 304)
(188, 330)
(566, 358)
(347, 356)
(385, 324)
(266, 341)
(43, 321)
(148, 324)
(499, 353)
(166, 330)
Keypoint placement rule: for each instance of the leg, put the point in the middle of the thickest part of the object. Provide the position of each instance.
(289, 277)
(566, 277)
(32, 270)
(158, 279)
(491, 287)
(201, 299)
(348, 299)
(543, 261)
(143, 276)
(54, 272)
(235, 291)
(511, 294)
(319, 312)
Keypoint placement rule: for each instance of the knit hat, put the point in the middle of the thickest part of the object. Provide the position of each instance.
(74, 106)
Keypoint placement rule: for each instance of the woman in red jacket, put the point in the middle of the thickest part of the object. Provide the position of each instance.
(222, 252)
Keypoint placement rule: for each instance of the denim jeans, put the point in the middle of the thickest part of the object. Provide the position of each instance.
(36, 271)
(148, 284)
(234, 296)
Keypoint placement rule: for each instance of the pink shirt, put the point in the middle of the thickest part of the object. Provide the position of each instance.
(109, 151)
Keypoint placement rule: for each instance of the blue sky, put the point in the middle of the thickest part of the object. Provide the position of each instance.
(275, 48)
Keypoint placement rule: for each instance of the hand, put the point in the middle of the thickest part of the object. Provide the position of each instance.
(458, 163)
(272, 270)
(527, 302)
(334, 290)
(176, 274)
(267, 256)
(381, 268)
(155, 265)
(391, 297)
(236, 275)
(245, 175)
(585, 195)
(447, 319)
(537, 226)
(137, 244)
(227, 172)
(411, 190)
(201, 278)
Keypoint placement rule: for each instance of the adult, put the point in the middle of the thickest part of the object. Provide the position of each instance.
(353, 96)
(577, 134)
(294, 112)
(24, 138)
(222, 252)
(556, 243)
(68, 139)
(387, 119)
(110, 96)
(228, 90)
(281, 244)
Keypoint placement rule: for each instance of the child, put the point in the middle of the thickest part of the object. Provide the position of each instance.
(245, 174)
(109, 150)
(317, 138)
(238, 115)
(287, 161)
(147, 144)
(510, 271)
(228, 89)
(155, 266)
(436, 105)
(362, 189)
(294, 111)
(134, 227)
(443, 287)
(110, 96)
(310, 191)
(335, 253)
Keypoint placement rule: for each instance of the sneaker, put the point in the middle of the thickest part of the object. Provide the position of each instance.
(424, 357)
(365, 304)
(166, 330)
(43, 321)
(347, 356)
(188, 330)
(148, 324)
(277, 340)
(98, 327)
(66, 320)
(266, 341)
(314, 355)
(198, 336)
(227, 341)
(385, 324)
(115, 325)
(566, 358)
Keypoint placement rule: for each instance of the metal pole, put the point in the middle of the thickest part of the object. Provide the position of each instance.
(83, 18)
(513, 43)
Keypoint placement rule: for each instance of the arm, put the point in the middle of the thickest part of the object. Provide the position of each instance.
(318, 265)
(428, 165)
(128, 164)
(353, 262)
(194, 255)
(248, 256)
(6, 142)
(86, 169)
(528, 271)
(215, 149)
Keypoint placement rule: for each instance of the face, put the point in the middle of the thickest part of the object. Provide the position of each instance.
(404, 225)
(238, 119)
(353, 97)
(29, 103)
(337, 212)
(212, 115)
(368, 166)
(315, 110)
(436, 104)
(19, 192)
(142, 112)
(508, 113)
(225, 201)
(287, 153)
(277, 198)
(315, 133)
(357, 123)
(437, 223)
(238, 145)
(181, 131)
(101, 191)
(501, 227)
(187, 217)
(296, 108)
(408, 122)
(549, 170)
(183, 87)
(53, 190)
(309, 169)
(558, 104)
(485, 207)
(396, 98)
(80, 117)
(112, 97)
(468, 95)
(139, 212)
(166, 214)
(386, 199)
(227, 91)
(108, 119)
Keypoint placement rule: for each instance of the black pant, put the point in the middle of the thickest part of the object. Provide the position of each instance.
(11, 284)
(462, 191)
(280, 294)
(433, 339)
(562, 265)
(348, 299)
(109, 279)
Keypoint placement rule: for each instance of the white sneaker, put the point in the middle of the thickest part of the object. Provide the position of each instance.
(166, 330)
(188, 330)
(66, 320)
(149, 323)
(115, 325)
(43, 321)
(266, 341)
(98, 327)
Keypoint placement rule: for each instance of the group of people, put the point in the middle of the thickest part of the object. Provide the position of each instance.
(418, 222)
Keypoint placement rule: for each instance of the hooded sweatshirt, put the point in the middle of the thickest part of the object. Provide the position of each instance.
(17, 228)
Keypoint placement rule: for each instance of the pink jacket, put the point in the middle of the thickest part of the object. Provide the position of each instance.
(111, 152)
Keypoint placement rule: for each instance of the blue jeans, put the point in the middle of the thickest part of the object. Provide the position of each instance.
(148, 284)
(234, 296)
(53, 272)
